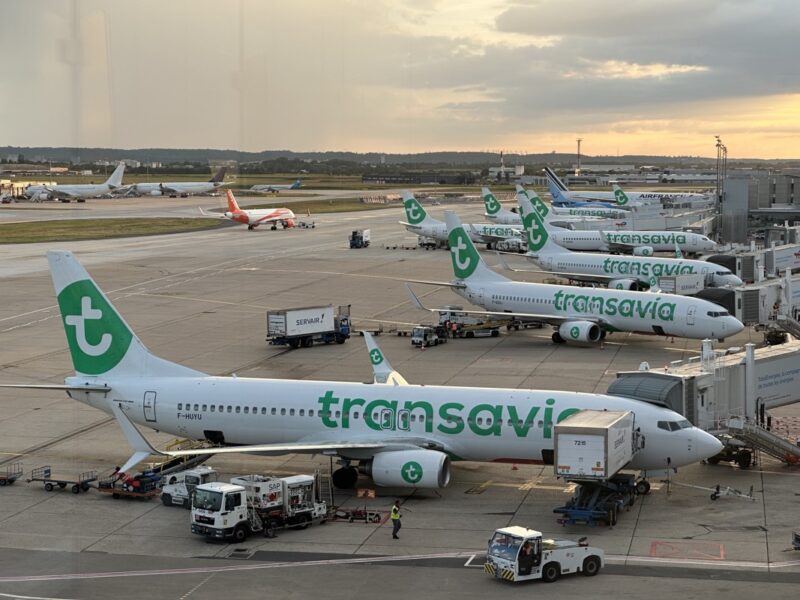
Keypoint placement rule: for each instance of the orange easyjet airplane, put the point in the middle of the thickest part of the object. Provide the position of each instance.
(261, 216)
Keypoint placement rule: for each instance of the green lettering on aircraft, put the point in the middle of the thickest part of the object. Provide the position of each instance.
(645, 269)
(98, 338)
(450, 419)
(656, 309)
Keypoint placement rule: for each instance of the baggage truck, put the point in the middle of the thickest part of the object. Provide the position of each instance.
(684, 285)
(298, 327)
(255, 503)
(359, 238)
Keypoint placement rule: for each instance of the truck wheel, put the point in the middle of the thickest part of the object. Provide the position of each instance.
(48, 487)
(308, 342)
(495, 332)
(550, 572)
(744, 459)
(470, 335)
(340, 339)
(166, 499)
(643, 487)
(239, 534)
(269, 530)
(591, 566)
(294, 344)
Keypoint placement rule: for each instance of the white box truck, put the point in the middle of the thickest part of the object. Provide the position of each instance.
(594, 444)
(684, 285)
(304, 326)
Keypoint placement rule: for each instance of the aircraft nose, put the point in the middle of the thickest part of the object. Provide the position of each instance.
(734, 325)
(706, 445)
(733, 280)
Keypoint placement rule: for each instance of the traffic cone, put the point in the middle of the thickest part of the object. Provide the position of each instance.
(514, 467)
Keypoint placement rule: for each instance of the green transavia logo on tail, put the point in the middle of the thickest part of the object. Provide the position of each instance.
(491, 203)
(463, 254)
(97, 337)
(621, 197)
(414, 211)
(375, 356)
(411, 472)
(535, 232)
(538, 205)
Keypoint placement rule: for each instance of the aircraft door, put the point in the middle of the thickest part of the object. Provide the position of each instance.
(150, 407)
(387, 418)
(404, 420)
(690, 315)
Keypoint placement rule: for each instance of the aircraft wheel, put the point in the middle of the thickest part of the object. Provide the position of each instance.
(250, 228)
(744, 459)
(557, 339)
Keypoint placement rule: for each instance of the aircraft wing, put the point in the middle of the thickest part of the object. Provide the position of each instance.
(549, 319)
(488, 237)
(565, 274)
(410, 226)
(142, 448)
(56, 193)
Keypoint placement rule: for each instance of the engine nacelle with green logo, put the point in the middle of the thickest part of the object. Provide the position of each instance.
(411, 468)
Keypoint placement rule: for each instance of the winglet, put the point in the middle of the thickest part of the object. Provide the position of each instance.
(140, 446)
(381, 368)
(414, 300)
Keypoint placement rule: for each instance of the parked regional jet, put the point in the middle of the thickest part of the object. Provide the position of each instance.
(640, 243)
(577, 313)
(183, 189)
(401, 435)
(258, 216)
(620, 272)
(421, 223)
(77, 191)
(275, 188)
(496, 212)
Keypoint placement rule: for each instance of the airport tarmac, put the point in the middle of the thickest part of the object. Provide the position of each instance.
(199, 299)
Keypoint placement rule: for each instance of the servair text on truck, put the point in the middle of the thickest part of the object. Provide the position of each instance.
(254, 503)
(304, 326)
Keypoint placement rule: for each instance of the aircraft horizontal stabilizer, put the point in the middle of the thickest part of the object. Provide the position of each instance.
(63, 388)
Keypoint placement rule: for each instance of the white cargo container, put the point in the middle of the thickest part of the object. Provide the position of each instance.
(300, 321)
(684, 285)
(594, 444)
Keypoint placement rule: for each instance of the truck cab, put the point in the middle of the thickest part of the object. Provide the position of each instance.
(219, 511)
(521, 554)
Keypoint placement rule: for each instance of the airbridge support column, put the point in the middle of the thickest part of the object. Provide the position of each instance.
(750, 382)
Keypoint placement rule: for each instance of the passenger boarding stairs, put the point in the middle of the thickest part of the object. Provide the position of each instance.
(764, 440)
(324, 487)
(788, 324)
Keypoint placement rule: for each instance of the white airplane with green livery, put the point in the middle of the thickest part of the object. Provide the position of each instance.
(619, 272)
(421, 223)
(399, 434)
(578, 314)
(499, 214)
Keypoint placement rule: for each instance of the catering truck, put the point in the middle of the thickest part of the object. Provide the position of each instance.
(298, 327)
(255, 504)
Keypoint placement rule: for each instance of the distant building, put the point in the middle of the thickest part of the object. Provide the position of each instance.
(420, 178)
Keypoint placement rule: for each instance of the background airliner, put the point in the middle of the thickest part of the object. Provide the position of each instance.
(275, 188)
(178, 188)
(78, 191)
(258, 216)
(401, 435)
(497, 213)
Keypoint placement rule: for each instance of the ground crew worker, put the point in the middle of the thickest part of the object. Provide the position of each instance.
(395, 516)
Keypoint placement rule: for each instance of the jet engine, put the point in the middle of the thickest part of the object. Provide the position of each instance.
(623, 284)
(580, 331)
(156, 193)
(410, 468)
(643, 251)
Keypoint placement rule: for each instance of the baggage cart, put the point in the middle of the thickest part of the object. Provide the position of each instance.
(46, 476)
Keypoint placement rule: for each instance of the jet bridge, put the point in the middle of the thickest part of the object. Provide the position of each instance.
(721, 391)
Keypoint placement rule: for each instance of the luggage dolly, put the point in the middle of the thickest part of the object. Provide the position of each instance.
(45, 475)
(718, 491)
(358, 514)
(12, 473)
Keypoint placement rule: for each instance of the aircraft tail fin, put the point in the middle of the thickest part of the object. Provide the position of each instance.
(100, 341)
(219, 176)
(415, 212)
(537, 229)
(296, 185)
(467, 262)
(115, 180)
(233, 206)
(493, 207)
(381, 368)
(555, 180)
(620, 196)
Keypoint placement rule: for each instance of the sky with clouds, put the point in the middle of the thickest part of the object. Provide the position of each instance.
(636, 77)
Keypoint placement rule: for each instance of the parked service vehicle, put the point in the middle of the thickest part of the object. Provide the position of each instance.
(303, 326)
(425, 336)
(520, 554)
(470, 326)
(359, 238)
(179, 487)
(255, 503)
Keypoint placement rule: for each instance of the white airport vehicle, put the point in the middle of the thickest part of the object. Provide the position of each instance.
(257, 216)
(594, 444)
(684, 285)
(276, 188)
(401, 435)
(359, 238)
(298, 327)
(76, 191)
(521, 554)
(178, 487)
(253, 504)
(421, 223)
(618, 272)
(469, 325)
(424, 336)
(496, 212)
(563, 196)
(173, 189)
(638, 243)
(577, 314)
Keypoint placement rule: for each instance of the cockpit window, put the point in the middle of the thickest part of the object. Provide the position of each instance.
(718, 313)
(674, 425)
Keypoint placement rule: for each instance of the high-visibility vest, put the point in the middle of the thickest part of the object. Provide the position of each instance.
(395, 513)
